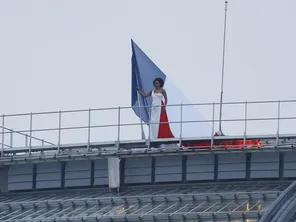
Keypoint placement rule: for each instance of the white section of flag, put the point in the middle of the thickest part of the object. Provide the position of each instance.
(189, 113)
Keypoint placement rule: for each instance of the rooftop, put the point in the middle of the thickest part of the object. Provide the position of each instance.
(236, 201)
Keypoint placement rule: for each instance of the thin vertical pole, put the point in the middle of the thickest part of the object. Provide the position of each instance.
(149, 135)
(26, 140)
(245, 130)
(118, 129)
(181, 124)
(223, 68)
(2, 145)
(88, 130)
(278, 123)
(31, 127)
(11, 138)
(59, 132)
(213, 126)
(42, 144)
(140, 112)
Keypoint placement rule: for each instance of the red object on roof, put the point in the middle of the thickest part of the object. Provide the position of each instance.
(233, 144)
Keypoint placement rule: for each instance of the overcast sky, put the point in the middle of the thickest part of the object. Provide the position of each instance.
(73, 54)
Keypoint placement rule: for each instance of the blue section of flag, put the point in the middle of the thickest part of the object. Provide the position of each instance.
(144, 71)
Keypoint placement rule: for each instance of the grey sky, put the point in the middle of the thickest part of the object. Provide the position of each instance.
(76, 54)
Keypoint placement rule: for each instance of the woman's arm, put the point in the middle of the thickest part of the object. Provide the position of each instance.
(144, 94)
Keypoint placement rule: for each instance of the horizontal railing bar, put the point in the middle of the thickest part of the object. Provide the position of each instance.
(136, 143)
(138, 124)
(63, 127)
(64, 111)
(169, 105)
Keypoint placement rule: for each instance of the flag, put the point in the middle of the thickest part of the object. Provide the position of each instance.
(144, 71)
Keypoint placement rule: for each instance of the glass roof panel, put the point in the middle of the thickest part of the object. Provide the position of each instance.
(159, 201)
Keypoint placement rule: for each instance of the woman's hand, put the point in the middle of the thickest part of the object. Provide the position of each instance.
(163, 108)
(143, 94)
(140, 91)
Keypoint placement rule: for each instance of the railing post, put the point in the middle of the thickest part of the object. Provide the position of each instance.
(88, 130)
(245, 130)
(26, 141)
(278, 123)
(2, 145)
(181, 124)
(11, 138)
(149, 135)
(59, 136)
(42, 144)
(30, 139)
(213, 126)
(118, 129)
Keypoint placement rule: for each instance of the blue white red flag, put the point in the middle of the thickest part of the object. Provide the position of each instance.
(144, 71)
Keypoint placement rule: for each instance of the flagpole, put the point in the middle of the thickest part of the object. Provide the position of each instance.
(223, 66)
(139, 101)
(141, 122)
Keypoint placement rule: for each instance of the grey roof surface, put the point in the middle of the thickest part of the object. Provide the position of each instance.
(227, 201)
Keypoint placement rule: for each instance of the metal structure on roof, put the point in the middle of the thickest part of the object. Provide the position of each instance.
(204, 202)
(108, 129)
(62, 166)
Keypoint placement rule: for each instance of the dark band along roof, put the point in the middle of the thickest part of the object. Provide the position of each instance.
(237, 201)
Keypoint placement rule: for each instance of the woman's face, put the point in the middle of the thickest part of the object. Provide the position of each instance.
(157, 84)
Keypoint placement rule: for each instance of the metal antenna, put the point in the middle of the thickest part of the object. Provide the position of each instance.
(223, 65)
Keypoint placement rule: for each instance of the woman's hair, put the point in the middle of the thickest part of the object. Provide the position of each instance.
(160, 80)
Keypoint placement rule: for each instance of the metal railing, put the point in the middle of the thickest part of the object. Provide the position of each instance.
(118, 122)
